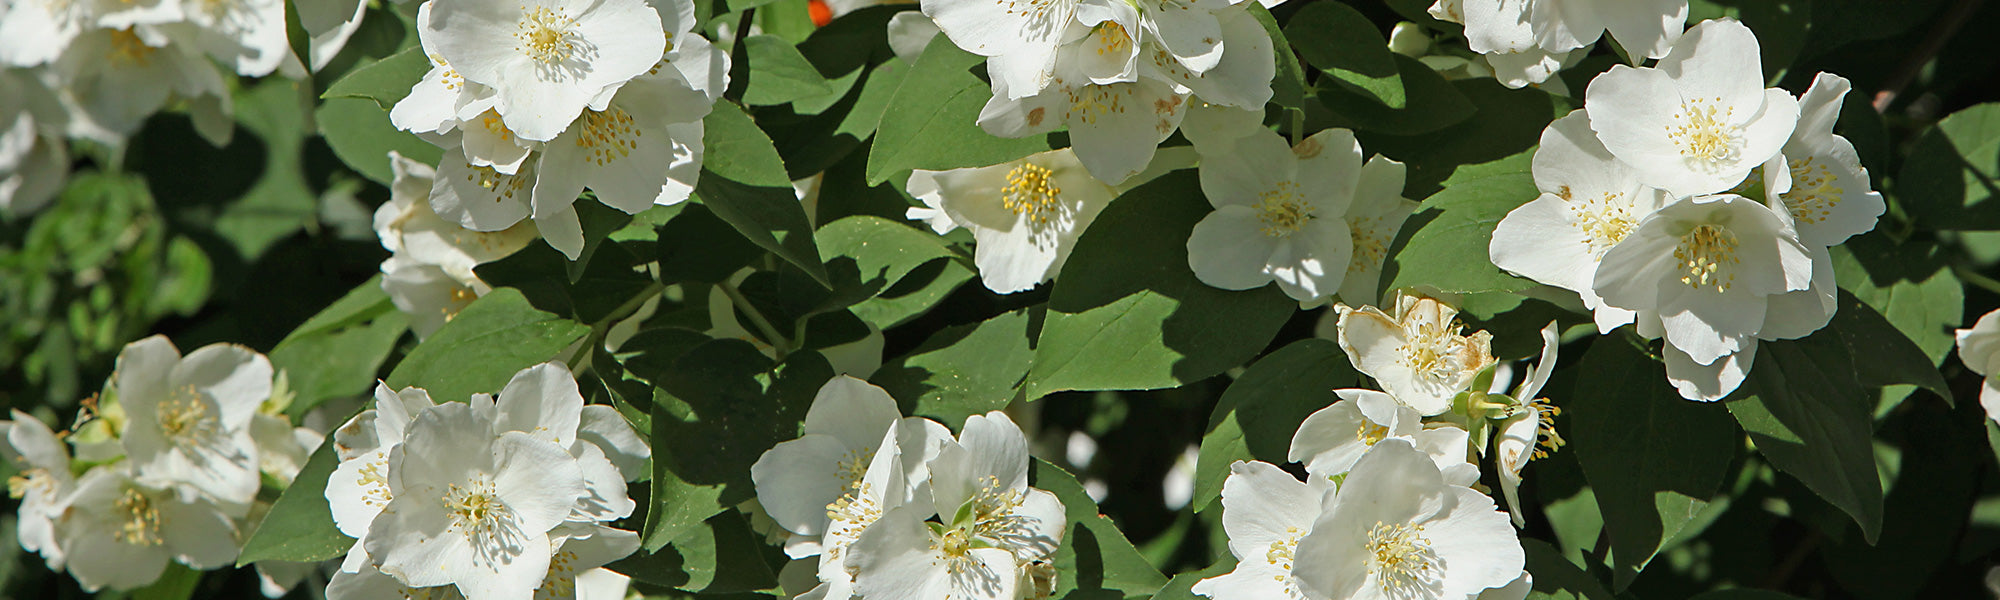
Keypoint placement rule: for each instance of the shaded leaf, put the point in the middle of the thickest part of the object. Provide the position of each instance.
(1258, 414)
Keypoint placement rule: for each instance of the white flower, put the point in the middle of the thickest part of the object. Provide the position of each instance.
(472, 509)
(1830, 196)
(281, 448)
(1240, 77)
(1979, 349)
(1024, 215)
(1373, 219)
(543, 401)
(443, 97)
(1277, 214)
(1529, 433)
(1532, 37)
(995, 526)
(1019, 37)
(641, 148)
(1114, 128)
(409, 228)
(1331, 439)
(892, 479)
(545, 59)
(34, 159)
(1398, 530)
(1701, 120)
(1590, 201)
(43, 484)
(574, 571)
(120, 533)
(358, 489)
(246, 34)
(188, 419)
(427, 293)
(800, 481)
(1417, 355)
(118, 77)
(1265, 512)
(1709, 266)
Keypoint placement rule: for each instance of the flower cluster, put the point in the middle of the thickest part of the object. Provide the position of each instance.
(1388, 509)
(167, 465)
(429, 271)
(505, 497)
(1525, 41)
(1695, 203)
(895, 507)
(535, 101)
(1119, 75)
(1313, 217)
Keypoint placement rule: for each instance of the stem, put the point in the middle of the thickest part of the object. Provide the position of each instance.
(603, 326)
(1298, 124)
(739, 59)
(778, 341)
(1969, 276)
(1947, 25)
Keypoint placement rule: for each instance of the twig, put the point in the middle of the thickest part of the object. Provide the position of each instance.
(1947, 26)
(778, 341)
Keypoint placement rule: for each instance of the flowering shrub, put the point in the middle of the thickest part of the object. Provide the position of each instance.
(1009, 300)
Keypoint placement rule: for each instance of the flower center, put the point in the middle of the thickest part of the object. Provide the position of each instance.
(1369, 433)
(1704, 134)
(1112, 38)
(954, 543)
(1431, 350)
(502, 185)
(607, 135)
(561, 580)
(185, 420)
(31, 481)
(1088, 102)
(374, 481)
(1030, 192)
(1814, 193)
(1603, 220)
(1370, 241)
(1281, 555)
(477, 512)
(1283, 210)
(851, 513)
(450, 76)
(1545, 420)
(1402, 560)
(128, 49)
(1705, 253)
(142, 521)
(544, 35)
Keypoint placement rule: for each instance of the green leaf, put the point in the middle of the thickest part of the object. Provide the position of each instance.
(1927, 508)
(362, 136)
(1288, 86)
(1341, 41)
(1653, 459)
(699, 246)
(722, 557)
(1361, 100)
(1743, 594)
(712, 420)
(1127, 314)
(778, 73)
(964, 370)
(744, 182)
(483, 346)
(1258, 414)
(299, 527)
(1181, 587)
(1911, 284)
(176, 583)
(1949, 179)
(1811, 419)
(1443, 246)
(1095, 558)
(869, 254)
(736, 149)
(932, 121)
(339, 354)
(916, 294)
(1892, 358)
(1557, 577)
(384, 81)
(1509, 122)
